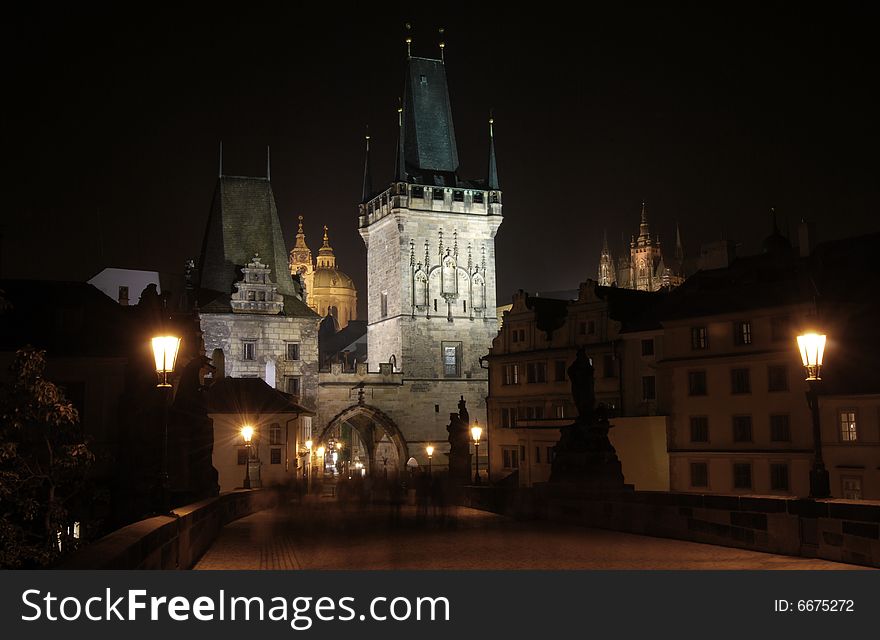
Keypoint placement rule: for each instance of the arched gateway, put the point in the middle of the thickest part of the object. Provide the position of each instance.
(369, 437)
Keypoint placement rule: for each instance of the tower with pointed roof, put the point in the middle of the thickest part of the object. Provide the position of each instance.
(607, 272)
(430, 238)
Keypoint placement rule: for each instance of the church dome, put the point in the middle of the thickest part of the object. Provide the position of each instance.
(332, 277)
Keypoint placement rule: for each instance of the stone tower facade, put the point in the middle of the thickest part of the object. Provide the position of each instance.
(430, 241)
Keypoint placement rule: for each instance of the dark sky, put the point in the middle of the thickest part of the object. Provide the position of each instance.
(111, 123)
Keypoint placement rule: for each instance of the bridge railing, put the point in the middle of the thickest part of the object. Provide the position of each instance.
(174, 541)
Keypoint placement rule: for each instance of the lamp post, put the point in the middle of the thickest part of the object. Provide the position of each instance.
(309, 466)
(430, 451)
(812, 348)
(247, 432)
(165, 350)
(476, 432)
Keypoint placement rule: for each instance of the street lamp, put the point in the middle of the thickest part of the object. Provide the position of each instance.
(430, 451)
(247, 432)
(476, 432)
(165, 350)
(812, 348)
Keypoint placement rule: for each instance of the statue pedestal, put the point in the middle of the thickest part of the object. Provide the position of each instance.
(586, 458)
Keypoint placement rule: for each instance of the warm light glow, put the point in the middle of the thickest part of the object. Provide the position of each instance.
(339, 445)
(309, 445)
(430, 450)
(812, 347)
(321, 451)
(247, 432)
(476, 431)
(165, 351)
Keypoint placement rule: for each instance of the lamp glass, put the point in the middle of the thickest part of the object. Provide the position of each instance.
(476, 432)
(309, 445)
(247, 432)
(165, 350)
(430, 450)
(321, 451)
(812, 347)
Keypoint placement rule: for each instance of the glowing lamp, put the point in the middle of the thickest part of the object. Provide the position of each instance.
(476, 431)
(321, 451)
(309, 445)
(812, 348)
(165, 350)
(429, 450)
(247, 432)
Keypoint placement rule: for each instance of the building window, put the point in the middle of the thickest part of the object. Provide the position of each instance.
(648, 347)
(511, 374)
(780, 428)
(123, 294)
(848, 430)
(478, 197)
(418, 192)
(740, 381)
(510, 458)
(306, 428)
(560, 371)
(438, 193)
(699, 429)
(778, 476)
(649, 388)
(780, 329)
(242, 455)
(559, 410)
(452, 359)
(384, 304)
(294, 385)
(742, 475)
(699, 338)
(699, 474)
(851, 487)
(508, 418)
(608, 366)
(536, 372)
(293, 350)
(458, 196)
(249, 350)
(275, 455)
(274, 433)
(777, 377)
(742, 428)
(696, 383)
(742, 333)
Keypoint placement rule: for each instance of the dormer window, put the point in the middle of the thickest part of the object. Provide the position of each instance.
(423, 80)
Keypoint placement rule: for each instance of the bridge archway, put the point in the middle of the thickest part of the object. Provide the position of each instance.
(370, 437)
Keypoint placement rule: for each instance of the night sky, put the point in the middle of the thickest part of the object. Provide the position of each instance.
(111, 125)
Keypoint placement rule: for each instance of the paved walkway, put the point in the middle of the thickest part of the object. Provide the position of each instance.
(326, 536)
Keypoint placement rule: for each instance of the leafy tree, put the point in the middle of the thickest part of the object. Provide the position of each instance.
(43, 465)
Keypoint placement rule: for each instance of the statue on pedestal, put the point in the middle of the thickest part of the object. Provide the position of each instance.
(584, 454)
(459, 445)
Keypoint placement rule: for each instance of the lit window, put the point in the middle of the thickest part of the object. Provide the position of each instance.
(742, 333)
(249, 350)
(511, 374)
(699, 338)
(384, 304)
(848, 430)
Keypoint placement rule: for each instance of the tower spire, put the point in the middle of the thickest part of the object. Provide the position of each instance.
(399, 165)
(367, 191)
(220, 175)
(442, 45)
(492, 181)
(268, 164)
(679, 247)
(408, 40)
(644, 230)
(605, 241)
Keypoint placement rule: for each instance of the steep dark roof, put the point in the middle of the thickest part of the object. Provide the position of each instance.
(430, 150)
(251, 396)
(244, 221)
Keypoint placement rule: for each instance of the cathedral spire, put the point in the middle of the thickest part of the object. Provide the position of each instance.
(644, 229)
(679, 247)
(367, 191)
(605, 241)
(221, 160)
(492, 181)
(268, 163)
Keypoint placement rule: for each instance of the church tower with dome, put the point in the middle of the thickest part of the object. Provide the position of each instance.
(326, 290)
